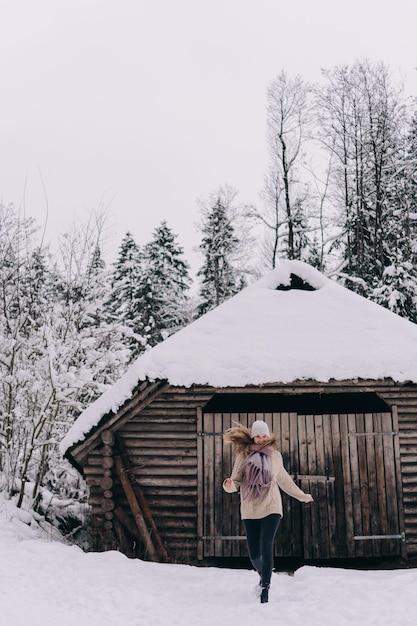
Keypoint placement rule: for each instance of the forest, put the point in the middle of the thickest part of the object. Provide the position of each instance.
(340, 193)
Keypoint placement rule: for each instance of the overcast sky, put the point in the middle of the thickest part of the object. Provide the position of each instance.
(143, 106)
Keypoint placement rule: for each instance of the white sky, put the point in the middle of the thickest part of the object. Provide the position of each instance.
(143, 106)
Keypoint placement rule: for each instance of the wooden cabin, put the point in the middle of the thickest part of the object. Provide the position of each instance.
(335, 377)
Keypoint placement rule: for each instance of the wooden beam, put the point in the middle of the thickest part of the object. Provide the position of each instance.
(122, 538)
(135, 508)
(127, 522)
(146, 512)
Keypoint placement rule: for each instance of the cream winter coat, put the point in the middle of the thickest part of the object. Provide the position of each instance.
(270, 501)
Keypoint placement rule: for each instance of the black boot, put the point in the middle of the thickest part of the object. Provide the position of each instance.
(264, 594)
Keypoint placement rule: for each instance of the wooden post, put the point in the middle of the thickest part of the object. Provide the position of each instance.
(146, 512)
(121, 537)
(127, 522)
(135, 508)
(106, 483)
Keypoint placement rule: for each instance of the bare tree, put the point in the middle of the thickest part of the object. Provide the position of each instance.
(284, 195)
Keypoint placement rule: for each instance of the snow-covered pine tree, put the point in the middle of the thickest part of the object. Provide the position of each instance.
(219, 279)
(168, 279)
(397, 288)
(99, 280)
(150, 323)
(124, 305)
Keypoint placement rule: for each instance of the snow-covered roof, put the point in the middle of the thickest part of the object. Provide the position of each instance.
(265, 335)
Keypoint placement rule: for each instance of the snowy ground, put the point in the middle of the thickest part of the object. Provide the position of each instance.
(46, 583)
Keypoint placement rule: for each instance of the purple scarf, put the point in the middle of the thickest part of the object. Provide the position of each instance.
(258, 475)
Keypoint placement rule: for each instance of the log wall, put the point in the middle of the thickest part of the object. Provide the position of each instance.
(161, 441)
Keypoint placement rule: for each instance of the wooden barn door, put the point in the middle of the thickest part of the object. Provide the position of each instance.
(220, 531)
(348, 462)
(372, 484)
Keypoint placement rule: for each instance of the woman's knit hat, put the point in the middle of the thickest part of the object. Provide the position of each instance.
(259, 428)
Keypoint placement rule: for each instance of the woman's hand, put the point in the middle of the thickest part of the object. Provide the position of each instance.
(228, 482)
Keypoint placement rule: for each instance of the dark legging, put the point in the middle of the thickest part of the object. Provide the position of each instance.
(260, 535)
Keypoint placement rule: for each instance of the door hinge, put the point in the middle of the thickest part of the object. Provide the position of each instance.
(223, 537)
(377, 537)
(389, 432)
(314, 477)
(202, 433)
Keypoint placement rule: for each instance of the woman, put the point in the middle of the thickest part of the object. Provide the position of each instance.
(258, 473)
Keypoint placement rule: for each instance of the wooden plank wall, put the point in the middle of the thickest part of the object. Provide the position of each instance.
(166, 461)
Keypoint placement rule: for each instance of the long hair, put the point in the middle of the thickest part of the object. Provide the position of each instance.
(240, 436)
